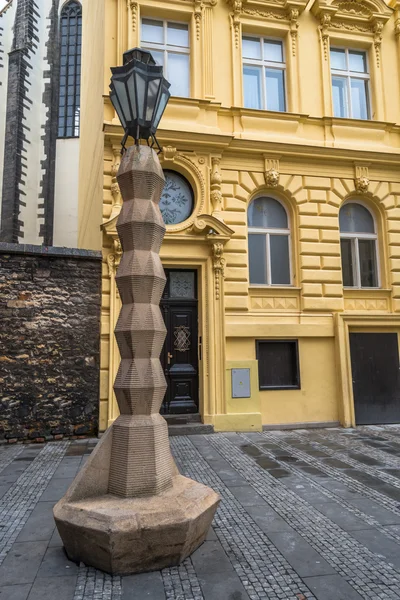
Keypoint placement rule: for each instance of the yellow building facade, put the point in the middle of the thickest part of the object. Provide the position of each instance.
(290, 106)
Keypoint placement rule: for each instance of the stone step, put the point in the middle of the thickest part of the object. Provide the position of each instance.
(182, 419)
(190, 429)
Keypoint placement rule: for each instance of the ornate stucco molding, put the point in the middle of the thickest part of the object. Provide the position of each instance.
(212, 228)
(366, 17)
(218, 266)
(397, 28)
(294, 26)
(133, 7)
(286, 11)
(215, 186)
(235, 19)
(271, 172)
(361, 179)
(115, 191)
(198, 16)
(114, 258)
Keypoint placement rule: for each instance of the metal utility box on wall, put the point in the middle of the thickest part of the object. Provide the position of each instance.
(241, 383)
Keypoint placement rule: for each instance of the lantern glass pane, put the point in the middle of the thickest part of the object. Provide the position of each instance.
(141, 85)
(161, 107)
(117, 106)
(122, 95)
(152, 95)
(130, 84)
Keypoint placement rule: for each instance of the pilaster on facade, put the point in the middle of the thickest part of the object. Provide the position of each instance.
(395, 5)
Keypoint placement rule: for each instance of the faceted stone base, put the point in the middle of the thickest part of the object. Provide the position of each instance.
(131, 535)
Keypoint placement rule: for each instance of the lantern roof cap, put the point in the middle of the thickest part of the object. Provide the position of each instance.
(139, 54)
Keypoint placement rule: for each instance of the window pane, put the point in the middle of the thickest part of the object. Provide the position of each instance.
(278, 364)
(152, 31)
(273, 51)
(158, 57)
(338, 59)
(266, 213)
(279, 249)
(368, 271)
(178, 74)
(355, 218)
(275, 89)
(257, 258)
(69, 84)
(178, 34)
(359, 98)
(252, 87)
(347, 262)
(181, 284)
(251, 47)
(339, 97)
(357, 62)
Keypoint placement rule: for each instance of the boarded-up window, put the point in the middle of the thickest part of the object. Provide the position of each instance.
(278, 364)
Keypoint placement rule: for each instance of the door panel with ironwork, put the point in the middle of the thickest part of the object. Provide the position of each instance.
(179, 356)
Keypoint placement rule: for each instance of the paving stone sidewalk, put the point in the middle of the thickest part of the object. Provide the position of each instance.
(306, 514)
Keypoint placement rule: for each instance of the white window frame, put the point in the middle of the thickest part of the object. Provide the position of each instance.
(268, 231)
(165, 48)
(266, 64)
(355, 254)
(348, 75)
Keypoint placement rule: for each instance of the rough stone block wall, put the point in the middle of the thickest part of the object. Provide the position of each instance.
(49, 343)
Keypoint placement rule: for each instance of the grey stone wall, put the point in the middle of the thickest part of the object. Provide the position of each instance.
(49, 342)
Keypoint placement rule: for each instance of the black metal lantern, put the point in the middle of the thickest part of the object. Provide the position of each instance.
(139, 94)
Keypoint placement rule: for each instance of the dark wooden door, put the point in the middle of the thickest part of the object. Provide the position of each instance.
(179, 356)
(376, 382)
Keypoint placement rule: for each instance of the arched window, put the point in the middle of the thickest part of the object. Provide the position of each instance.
(358, 240)
(70, 69)
(177, 200)
(269, 242)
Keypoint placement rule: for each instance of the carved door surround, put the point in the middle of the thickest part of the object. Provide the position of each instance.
(211, 234)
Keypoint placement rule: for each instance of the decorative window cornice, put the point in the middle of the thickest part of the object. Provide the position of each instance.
(366, 17)
(286, 11)
(198, 7)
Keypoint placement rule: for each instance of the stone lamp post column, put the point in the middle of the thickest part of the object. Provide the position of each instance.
(129, 510)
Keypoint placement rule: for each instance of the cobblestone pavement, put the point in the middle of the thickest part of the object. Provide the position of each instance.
(305, 515)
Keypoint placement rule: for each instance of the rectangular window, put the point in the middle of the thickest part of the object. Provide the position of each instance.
(168, 42)
(263, 74)
(350, 84)
(278, 364)
(359, 262)
(348, 261)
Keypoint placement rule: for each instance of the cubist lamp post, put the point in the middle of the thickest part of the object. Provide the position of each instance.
(129, 510)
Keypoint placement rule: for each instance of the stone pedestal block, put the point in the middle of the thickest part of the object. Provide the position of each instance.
(133, 534)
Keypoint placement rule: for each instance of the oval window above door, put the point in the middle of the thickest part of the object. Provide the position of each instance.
(177, 201)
